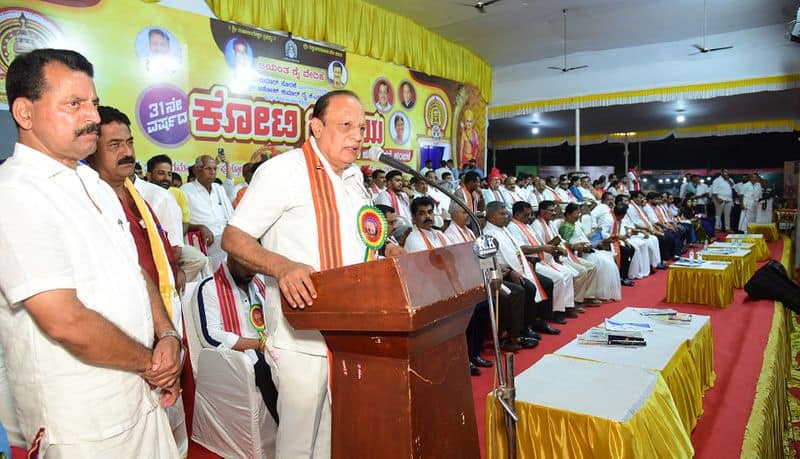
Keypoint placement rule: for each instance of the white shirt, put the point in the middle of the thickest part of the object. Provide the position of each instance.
(415, 242)
(458, 234)
(499, 195)
(651, 213)
(701, 188)
(722, 188)
(166, 209)
(441, 171)
(750, 195)
(402, 207)
(566, 195)
(209, 315)
(510, 253)
(637, 216)
(212, 209)
(587, 194)
(53, 237)
(279, 211)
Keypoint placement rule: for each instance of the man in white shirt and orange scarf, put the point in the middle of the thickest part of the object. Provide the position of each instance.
(300, 215)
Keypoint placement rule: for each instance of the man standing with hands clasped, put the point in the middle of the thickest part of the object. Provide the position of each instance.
(78, 316)
(300, 215)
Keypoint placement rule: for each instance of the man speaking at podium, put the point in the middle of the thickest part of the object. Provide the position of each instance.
(302, 206)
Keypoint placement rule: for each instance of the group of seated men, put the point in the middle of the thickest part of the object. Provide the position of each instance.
(564, 244)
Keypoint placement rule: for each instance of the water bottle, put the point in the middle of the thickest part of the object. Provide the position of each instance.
(691, 256)
(705, 245)
(699, 257)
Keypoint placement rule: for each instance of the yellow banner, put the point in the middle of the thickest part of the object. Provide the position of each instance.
(193, 85)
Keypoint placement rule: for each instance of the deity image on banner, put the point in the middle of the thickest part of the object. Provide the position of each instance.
(22, 30)
(469, 145)
(435, 117)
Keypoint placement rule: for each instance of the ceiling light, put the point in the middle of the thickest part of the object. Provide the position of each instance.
(535, 130)
(674, 180)
(660, 180)
(680, 118)
(644, 180)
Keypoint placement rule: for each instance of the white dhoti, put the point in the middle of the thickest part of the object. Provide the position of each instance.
(585, 280)
(563, 290)
(640, 262)
(747, 216)
(607, 281)
(653, 252)
(304, 407)
(150, 438)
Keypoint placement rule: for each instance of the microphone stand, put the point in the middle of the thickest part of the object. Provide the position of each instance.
(485, 248)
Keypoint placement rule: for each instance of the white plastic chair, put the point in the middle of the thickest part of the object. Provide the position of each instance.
(230, 418)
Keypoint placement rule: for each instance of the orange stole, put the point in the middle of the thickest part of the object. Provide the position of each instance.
(329, 238)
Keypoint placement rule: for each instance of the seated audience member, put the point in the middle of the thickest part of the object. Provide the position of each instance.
(627, 252)
(398, 229)
(378, 182)
(469, 193)
(421, 189)
(231, 316)
(584, 270)
(657, 219)
(703, 226)
(424, 236)
(177, 181)
(563, 297)
(642, 224)
(538, 289)
(608, 277)
(495, 191)
(208, 206)
(395, 196)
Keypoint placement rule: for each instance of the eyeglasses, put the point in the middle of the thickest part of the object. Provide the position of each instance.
(348, 127)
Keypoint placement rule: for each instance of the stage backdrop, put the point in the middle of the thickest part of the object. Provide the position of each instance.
(192, 84)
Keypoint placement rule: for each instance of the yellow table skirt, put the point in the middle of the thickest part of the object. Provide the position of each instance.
(760, 247)
(700, 286)
(769, 230)
(690, 373)
(743, 267)
(655, 430)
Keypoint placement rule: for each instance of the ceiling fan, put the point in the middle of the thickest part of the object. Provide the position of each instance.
(703, 49)
(564, 39)
(480, 5)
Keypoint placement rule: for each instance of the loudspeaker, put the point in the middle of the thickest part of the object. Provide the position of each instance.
(772, 282)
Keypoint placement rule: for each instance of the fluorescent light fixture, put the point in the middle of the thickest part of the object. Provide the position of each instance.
(680, 118)
(535, 130)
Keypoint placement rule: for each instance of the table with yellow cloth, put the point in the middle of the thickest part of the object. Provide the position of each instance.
(743, 261)
(710, 282)
(769, 230)
(574, 408)
(683, 354)
(760, 248)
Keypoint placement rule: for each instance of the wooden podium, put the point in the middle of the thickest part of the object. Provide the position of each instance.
(401, 383)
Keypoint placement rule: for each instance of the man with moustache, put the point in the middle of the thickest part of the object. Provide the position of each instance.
(73, 294)
(113, 160)
(423, 235)
(302, 206)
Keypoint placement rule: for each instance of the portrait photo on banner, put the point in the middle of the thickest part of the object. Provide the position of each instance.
(158, 50)
(383, 95)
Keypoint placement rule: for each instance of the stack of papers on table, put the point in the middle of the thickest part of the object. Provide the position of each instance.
(601, 336)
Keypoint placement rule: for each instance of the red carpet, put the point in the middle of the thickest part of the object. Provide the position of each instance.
(740, 334)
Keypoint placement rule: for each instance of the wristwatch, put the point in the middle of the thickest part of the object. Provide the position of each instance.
(173, 334)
